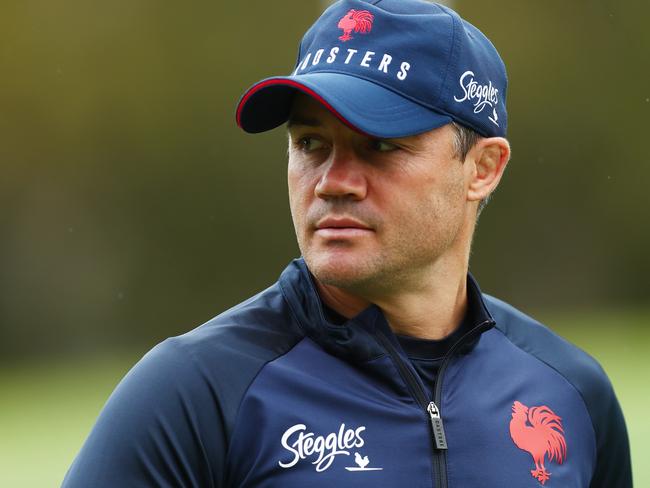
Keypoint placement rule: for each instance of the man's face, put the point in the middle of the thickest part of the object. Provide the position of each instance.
(372, 215)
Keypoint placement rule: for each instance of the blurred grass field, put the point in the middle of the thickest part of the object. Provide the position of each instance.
(46, 410)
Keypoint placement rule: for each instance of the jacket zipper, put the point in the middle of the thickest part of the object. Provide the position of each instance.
(431, 409)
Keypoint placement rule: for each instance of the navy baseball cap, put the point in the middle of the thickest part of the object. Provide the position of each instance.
(389, 68)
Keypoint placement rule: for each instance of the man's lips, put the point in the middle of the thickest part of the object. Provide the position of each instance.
(341, 223)
(339, 227)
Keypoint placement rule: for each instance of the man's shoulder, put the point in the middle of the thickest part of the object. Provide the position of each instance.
(540, 341)
(227, 352)
(218, 360)
(255, 331)
(575, 365)
(183, 397)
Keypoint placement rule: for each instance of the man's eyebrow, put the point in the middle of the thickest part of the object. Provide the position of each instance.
(295, 120)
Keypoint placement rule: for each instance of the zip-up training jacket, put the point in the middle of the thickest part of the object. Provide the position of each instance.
(272, 394)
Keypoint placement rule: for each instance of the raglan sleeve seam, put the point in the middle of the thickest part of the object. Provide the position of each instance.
(582, 397)
(247, 389)
(177, 344)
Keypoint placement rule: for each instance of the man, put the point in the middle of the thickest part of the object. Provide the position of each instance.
(375, 360)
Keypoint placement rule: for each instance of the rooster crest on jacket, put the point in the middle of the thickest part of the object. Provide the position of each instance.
(538, 431)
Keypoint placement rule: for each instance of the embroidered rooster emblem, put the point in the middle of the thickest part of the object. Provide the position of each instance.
(357, 21)
(538, 431)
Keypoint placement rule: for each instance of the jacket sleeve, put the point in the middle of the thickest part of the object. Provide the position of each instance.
(613, 464)
(161, 427)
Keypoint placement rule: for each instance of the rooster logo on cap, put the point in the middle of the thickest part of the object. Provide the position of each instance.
(357, 20)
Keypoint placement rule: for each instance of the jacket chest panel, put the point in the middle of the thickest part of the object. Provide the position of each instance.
(324, 422)
(513, 421)
(311, 419)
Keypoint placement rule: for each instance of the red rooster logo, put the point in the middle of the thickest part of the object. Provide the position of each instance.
(538, 431)
(357, 20)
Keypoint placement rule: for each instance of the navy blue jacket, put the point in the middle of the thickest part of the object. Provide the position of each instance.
(272, 394)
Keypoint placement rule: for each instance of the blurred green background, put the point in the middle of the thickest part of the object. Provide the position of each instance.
(132, 208)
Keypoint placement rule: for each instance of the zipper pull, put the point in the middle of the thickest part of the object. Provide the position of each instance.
(439, 438)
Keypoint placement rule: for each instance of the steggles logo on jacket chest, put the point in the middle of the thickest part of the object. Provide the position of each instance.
(323, 449)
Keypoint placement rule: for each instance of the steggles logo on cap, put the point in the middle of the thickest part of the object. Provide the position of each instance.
(480, 96)
(357, 20)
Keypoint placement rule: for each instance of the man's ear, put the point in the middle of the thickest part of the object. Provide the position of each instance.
(490, 157)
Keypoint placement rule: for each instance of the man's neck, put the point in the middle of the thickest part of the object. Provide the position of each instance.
(432, 312)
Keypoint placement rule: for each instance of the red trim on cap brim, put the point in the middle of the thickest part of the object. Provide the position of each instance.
(294, 84)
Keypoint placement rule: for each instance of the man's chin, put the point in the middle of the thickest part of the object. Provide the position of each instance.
(339, 269)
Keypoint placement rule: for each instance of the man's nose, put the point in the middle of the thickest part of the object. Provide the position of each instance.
(343, 176)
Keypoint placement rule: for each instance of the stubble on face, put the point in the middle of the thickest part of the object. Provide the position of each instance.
(414, 206)
(404, 256)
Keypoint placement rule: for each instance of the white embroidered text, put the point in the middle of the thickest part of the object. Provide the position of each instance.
(303, 444)
(480, 95)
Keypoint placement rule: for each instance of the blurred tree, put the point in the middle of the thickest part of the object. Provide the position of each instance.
(132, 208)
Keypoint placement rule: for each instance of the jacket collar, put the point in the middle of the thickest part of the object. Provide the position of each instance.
(355, 339)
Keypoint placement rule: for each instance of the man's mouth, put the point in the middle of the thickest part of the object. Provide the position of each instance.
(341, 227)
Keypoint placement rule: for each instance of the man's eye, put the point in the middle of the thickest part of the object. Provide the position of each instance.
(310, 144)
(381, 145)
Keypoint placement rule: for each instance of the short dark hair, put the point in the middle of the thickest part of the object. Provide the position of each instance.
(464, 140)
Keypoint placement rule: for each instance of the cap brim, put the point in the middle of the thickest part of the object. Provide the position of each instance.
(360, 104)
